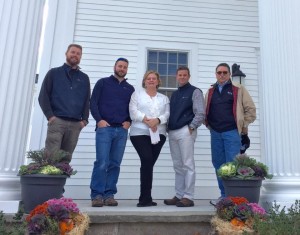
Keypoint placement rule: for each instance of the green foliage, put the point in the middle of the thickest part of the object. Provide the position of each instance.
(280, 221)
(43, 157)
(244, 167)
(12, 228)
(43, 162)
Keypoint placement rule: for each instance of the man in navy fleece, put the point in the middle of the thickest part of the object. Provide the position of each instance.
(110, 108)
(64, 99)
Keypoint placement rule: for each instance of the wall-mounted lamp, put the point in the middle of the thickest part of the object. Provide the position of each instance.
(237, 74)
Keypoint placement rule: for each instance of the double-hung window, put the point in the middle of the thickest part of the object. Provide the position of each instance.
(166, 62)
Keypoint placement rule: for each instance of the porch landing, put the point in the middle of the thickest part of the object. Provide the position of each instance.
(127, 219)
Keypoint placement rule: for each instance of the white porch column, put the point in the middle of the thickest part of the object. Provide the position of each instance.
(280, 50)
(20, 27)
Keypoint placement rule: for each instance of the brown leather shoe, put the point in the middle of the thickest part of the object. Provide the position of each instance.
(97, 202)
(110, 202)
(185, 202)
(172, 201)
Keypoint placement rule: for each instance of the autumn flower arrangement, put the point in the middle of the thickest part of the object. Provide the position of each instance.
(57, 216)
(244, 167)
(42, 162)
(235, 215)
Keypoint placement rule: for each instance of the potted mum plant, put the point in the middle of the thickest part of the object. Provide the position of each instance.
(44, 177)
(57, 216)
(236, 215)
(243, 177)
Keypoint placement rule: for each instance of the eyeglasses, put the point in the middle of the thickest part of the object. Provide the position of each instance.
(224, 72)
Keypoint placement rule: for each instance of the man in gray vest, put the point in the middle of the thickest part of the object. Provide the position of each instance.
(186, 115)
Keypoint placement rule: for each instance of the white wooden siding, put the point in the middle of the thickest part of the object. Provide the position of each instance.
(224, 31)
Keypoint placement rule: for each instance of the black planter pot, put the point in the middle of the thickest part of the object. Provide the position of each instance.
(38, 188)
(249, 188)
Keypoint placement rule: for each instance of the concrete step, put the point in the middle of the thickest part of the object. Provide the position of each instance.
(127, 219)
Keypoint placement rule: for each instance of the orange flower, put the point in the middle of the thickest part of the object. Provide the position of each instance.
(40, 209)
(239, 200)
(236, 222)
(65, 226)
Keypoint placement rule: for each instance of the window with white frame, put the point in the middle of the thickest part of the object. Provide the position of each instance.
(166, 62)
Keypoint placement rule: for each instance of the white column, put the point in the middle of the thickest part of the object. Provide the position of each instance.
(20, 27)
(280, 50)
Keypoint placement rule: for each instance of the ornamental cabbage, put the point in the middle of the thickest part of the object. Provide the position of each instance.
(227, 170)
(50, 170)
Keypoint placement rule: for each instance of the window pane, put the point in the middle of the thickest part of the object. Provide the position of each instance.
(152, 56)
(162, 69)
(172, 58)
(152, 66)
(162, 57)
(163, 80)
(172, 81)
(172, 69)
(182, 58)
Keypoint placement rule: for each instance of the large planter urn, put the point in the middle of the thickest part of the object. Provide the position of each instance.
(248, 188)
(38, 188)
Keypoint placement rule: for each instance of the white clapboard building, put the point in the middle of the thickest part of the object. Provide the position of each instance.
(160, 35)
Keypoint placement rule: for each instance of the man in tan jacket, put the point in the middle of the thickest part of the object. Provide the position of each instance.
(229, 111)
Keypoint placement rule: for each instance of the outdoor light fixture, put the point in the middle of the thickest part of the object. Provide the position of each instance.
(237, 74)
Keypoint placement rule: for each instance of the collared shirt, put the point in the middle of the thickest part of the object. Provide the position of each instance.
(220, 86)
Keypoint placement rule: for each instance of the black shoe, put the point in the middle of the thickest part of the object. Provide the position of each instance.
(140, 204)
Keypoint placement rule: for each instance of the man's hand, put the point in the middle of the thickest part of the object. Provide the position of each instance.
(51, 119)
(102, 124)
(126, 125)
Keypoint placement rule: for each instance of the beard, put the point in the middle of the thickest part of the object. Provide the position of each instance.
(120, 74)
(73, 61)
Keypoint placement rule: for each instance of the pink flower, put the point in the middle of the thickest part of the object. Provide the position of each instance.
(257, 209)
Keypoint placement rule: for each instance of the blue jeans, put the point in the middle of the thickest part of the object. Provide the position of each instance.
(110, 146)
(224, 147)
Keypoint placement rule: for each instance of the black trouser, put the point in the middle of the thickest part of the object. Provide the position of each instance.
(148, 154)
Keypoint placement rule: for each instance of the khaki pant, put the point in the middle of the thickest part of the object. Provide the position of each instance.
(62, 134)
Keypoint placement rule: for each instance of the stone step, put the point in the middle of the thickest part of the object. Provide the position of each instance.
(127, 219)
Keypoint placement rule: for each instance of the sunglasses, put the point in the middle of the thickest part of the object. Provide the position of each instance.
(224, 72)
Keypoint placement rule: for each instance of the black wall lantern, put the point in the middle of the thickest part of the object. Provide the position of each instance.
(237, 74)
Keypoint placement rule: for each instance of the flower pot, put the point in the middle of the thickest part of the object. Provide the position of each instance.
(249, 188)
(38, 188)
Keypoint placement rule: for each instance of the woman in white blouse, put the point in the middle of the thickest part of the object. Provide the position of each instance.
(149, 111)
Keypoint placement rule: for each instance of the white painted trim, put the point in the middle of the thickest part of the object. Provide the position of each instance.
(59, 34)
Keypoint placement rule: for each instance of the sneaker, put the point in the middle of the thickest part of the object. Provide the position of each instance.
(214, 202)
(140, 204)
(172, 201)
(185, 202)
(97, 202)
(110, 202)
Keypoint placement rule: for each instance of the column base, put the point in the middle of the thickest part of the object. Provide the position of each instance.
(282, 190)
(10, 188)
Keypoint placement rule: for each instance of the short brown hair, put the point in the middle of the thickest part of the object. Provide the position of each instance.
(74, 45)
(147, 74)
(183, 68)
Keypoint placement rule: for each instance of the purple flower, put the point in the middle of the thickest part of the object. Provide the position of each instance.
(65, 168)
(37, 224)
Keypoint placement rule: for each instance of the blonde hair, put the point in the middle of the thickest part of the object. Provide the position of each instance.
(147, 74)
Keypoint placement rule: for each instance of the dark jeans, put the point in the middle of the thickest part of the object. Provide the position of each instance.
(148, 154)
(110, 146)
